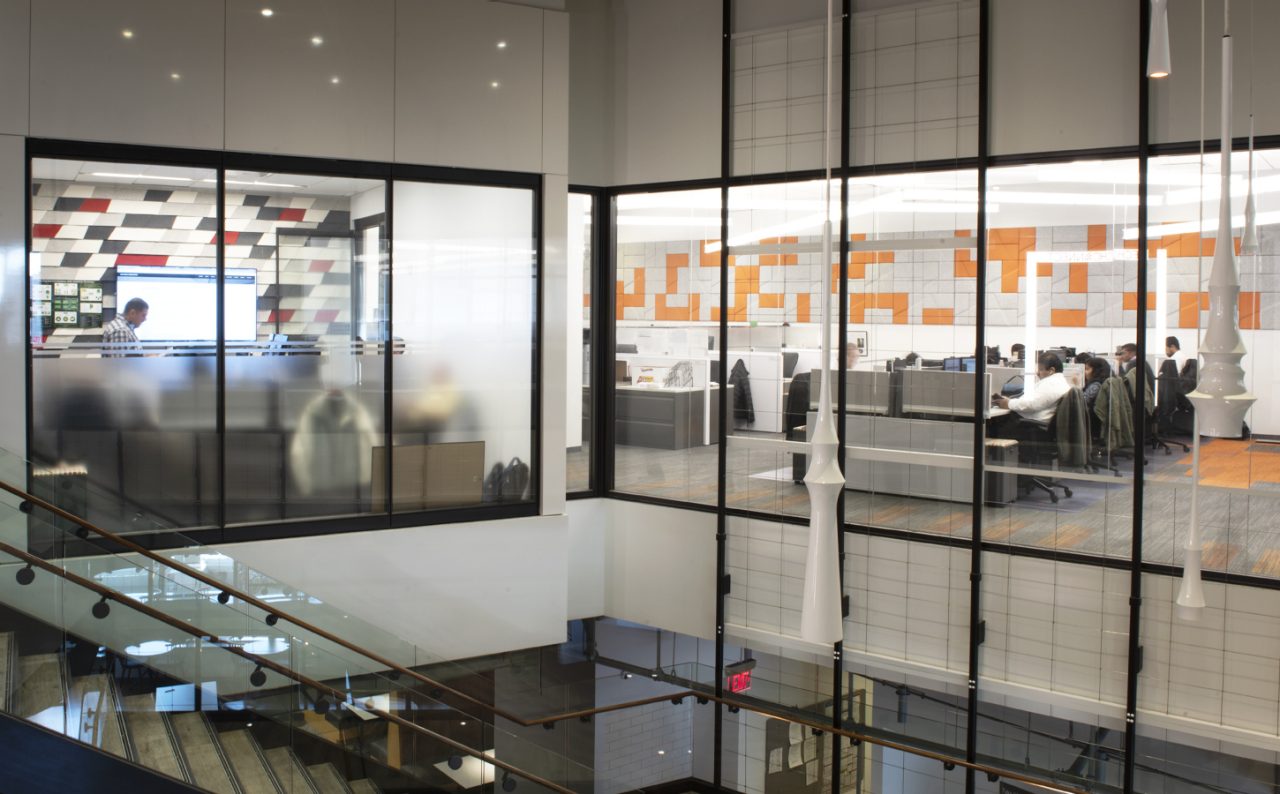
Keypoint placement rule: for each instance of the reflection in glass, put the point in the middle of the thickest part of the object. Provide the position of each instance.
(304, 391)
(123, 421)
(578, 413)
(464, 299)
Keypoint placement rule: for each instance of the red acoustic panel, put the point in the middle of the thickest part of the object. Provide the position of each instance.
(294, 214)
(95, 205)
(45, 229)
(145, 260)
(320, 265)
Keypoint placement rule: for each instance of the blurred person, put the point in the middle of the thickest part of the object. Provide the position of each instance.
(120, 336)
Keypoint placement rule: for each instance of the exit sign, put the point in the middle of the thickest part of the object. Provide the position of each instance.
(738, 675)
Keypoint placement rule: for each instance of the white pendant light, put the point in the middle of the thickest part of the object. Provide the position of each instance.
(1159, 63)
(1249, 239)
(821, 620)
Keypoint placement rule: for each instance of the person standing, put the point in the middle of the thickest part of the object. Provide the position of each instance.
(120, 336)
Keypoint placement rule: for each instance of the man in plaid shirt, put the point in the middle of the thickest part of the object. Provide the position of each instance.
(119, 337)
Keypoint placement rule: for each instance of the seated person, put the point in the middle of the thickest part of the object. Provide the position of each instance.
(1016, 355)
(1173, 350)
(1041, 401)
(1127, 355)
(1096, 372)
(1083, 358)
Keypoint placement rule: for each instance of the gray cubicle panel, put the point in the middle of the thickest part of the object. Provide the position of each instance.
(866, 391)
(940, 392)
(1002, 375)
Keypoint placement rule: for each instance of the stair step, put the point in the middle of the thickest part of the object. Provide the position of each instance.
(7, 663)
(251, 769)
(289, 771)
(40, 694)
(364, 786)
(204, 757)
(95, 717)
(152, 741)
(327, 779)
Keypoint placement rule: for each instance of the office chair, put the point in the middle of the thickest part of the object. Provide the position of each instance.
(1168, 386)
(1062, 441)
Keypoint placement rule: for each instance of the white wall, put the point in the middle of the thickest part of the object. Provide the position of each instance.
(667, 90)
(13, 281)
(591, 88)
(587, 574)
(455, 590)
(1063, 75)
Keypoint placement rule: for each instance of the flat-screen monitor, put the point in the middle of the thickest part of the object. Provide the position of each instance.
(969, 364)
(182, 302)
(951, 364)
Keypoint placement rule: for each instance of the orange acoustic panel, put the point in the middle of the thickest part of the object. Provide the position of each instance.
(802, 307)
(712, 259)
(634, 299)
(1068, 318)
(1078, 277)
(1189, 306)
(1044, 269)
(1097, 237)
(674, 263)
(1129, 301)
(771, 301)
(586, 300)
(858, 308)
(965, 266)
(938, 316)
(1250, 310)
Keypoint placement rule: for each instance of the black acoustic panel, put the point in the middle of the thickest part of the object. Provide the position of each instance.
(67, 204)
(270, 213)
(338, 218)
(98, 232)
(255, 201)
(140, 221)
(207, 225)
(74, 259)
(157, 195)
(336, 279)
(113, 246)
(262, 252)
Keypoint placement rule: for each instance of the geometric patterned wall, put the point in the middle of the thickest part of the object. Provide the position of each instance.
(82, 231)
(676, 282)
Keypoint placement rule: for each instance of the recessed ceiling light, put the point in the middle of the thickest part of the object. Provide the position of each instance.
(267, 12)
(128, 34)
(175, 76)
(662, 752)
(495, 84)
(502, 45)
(316, 41)
(335, 80)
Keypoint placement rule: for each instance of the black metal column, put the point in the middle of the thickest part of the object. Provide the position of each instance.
(1139, 408)
(722, 460)
(980, 398)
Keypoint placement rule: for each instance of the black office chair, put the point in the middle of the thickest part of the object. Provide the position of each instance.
(1063, 442)
(1169, 387)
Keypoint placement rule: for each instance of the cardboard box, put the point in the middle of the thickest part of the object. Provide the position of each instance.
(427, 476)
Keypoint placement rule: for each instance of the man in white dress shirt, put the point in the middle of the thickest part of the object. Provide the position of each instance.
(1041, 402)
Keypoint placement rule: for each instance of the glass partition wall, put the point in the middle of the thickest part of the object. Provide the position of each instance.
(263, 377)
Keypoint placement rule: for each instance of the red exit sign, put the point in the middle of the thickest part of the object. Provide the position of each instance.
(738, 675)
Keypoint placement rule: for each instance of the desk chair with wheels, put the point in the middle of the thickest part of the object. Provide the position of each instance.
(1062, 443)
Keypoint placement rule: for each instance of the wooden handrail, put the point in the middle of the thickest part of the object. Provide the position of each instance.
(492, 709)
(264, 663)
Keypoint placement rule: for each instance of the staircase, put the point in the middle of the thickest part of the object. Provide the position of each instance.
(226, 758)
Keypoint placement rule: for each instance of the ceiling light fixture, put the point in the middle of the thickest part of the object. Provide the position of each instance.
(175, 76)
(1158, 58)
(502, 45)
(267, 12)
(316, 41)
(495, 84)
(128, 34)
(110, 175)
(335, 80)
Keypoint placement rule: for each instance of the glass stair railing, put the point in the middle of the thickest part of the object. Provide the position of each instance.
(296, 666)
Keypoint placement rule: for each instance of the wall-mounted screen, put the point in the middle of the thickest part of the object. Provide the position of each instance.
(182, 302)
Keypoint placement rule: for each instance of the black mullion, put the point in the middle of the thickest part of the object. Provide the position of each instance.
(722, 459)
(1139, 409)
(28, 387)
(980, 398)
(535, 398)
(837, 652)
(606, 325)
(388, 348)
(601, 350)
(220, 346)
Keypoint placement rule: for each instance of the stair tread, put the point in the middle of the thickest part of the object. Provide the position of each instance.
(364, 786)
(94, 700)
(39, 688)
(289, 771)
(201, 751)
(327, 779)
(245, 758)
(151, 739)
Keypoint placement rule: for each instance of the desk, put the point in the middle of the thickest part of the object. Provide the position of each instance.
(922, 480)
(663, 418)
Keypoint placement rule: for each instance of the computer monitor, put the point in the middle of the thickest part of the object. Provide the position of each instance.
(951, 364)
(930, 363)
(969, 364)
(624, 347)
